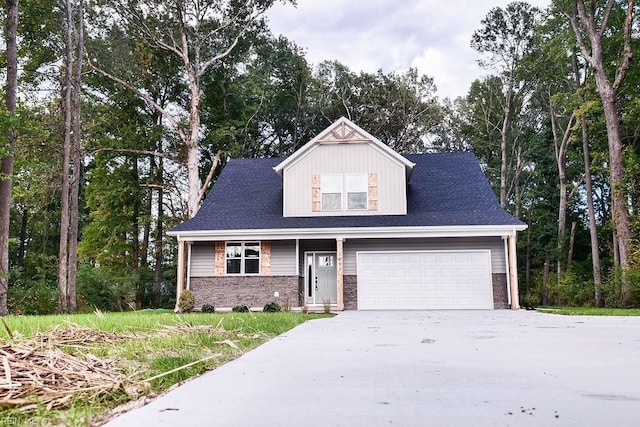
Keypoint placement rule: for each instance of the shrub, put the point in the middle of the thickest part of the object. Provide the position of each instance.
(187, 301)
(208, 308)
(28, 296)
(104, 288)
(240, 309)
(271, 307)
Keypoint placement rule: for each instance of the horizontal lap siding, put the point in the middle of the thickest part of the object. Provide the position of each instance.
(203, 259)
(283, 258)
(495, 244)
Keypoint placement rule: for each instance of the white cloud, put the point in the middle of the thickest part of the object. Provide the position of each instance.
(393, 35)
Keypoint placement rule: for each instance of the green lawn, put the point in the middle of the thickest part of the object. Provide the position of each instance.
(152, 349)
(590, 311)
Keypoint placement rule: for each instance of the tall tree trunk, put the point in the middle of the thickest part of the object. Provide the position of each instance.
(560, 147)
(6, 163)
(594, 54)
(74, 198)
(593, 230)
(616, 170)
(572, 239)
(63, 252)
(545, 281)
(506, 125)
(23, 237)
(135, 230)
(159, 255)
(527, 271)
(146, 232)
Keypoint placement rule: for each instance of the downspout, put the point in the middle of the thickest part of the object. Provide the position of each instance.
(513, 271)
(189, 266)
(180, 272)
(506, 263)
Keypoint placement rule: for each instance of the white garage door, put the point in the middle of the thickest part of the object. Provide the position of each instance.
(425, 280)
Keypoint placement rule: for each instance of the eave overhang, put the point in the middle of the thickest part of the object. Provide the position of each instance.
(349, 233)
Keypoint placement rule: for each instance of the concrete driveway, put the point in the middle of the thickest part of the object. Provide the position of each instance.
(436, 368)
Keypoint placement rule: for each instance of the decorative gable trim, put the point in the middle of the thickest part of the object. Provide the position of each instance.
(344, 130)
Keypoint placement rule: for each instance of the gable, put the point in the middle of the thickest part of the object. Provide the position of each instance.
(344, 131)
(366, 176)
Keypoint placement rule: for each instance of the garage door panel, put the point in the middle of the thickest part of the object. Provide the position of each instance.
(425, 280)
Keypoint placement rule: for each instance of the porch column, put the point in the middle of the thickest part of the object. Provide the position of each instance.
(513, 272)
(181, 273)
(339, 272)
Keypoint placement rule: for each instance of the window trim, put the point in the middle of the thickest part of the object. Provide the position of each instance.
(243, 258)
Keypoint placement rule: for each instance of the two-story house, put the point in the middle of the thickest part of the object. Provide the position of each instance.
(349, 222)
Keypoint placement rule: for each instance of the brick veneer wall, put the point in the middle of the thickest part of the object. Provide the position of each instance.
(256, 291)
(500, 296)
(350, 286)
(252, 291)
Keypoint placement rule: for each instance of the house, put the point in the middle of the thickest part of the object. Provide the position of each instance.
(349, 222)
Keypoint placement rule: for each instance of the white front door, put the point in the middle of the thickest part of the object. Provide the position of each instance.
(320, 278)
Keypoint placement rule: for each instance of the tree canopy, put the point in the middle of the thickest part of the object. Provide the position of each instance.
(140, 103)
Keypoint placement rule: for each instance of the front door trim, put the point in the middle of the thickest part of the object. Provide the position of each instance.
(315, 293)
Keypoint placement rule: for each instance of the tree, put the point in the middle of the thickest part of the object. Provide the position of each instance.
(507, 37)
(591, 25)
(199, 33)
(400, 108)
(6, 159)
(71, 158)
(259, 100)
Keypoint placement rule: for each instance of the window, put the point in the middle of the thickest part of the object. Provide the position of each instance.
(357, 192)
(243, 258)
(331, 188)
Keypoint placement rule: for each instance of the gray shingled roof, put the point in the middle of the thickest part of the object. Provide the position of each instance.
(445, 189)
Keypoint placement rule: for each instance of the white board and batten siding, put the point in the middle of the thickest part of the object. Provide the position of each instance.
(283, 258)
(459, 279)
(345, 159)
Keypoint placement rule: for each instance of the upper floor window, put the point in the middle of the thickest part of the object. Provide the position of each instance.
(331, 188)
(243, 258)
(356, 192)
(353, 187)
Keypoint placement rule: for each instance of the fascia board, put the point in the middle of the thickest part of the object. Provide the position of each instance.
(350, 233)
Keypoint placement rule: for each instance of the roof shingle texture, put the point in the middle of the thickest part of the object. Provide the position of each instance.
(445, 189)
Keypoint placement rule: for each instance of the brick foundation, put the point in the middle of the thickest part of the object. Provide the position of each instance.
(256, 291)
(252, 291)
(500, 296)
(350, 286)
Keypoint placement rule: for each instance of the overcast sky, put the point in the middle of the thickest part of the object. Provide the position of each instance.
(366, 35)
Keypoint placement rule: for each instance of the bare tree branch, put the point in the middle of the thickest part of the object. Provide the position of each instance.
(207, 182)
(144, 96)
(134, 151)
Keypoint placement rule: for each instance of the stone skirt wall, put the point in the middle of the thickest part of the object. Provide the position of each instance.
(256, 291)
(252, 291)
